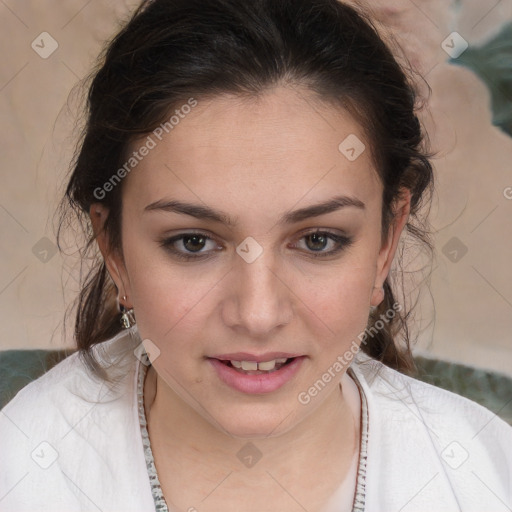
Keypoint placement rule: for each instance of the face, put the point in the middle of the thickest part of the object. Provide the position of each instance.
(242, 270)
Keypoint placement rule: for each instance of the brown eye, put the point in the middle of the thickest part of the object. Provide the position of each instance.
(194, 243)
(189, 246)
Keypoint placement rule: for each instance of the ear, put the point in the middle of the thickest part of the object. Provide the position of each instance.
(401, 210)
(98, 213)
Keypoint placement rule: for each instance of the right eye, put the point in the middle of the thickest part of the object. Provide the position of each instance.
(191, 246)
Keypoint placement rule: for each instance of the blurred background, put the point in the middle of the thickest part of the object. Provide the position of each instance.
(463, 50)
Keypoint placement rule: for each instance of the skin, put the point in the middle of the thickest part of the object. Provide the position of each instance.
(255, 160)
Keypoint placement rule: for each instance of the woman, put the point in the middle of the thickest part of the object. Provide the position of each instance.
(248, 169)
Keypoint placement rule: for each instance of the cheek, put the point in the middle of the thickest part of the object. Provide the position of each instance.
(337, 300)
(342, 303)
(163, 294)
(170, 303)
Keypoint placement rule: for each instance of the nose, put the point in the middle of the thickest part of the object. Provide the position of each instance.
(259, 301)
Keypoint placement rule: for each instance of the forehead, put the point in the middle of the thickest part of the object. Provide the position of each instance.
(260, 153)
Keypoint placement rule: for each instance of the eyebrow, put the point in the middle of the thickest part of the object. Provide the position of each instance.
(207, 213)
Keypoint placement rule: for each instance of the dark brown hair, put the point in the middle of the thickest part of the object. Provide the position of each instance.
(172, 50)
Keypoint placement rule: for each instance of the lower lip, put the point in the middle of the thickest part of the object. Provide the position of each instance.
(257, 384)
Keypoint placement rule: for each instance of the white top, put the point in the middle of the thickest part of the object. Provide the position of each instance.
(69, 443)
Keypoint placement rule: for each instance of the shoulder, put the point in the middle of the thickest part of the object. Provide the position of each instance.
(69, 415)
(71, 382)
(397, 392)
(420, 433)
(453, 435)
(70, 394)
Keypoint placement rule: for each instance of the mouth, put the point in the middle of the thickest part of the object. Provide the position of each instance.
(257, 377)
(257, 368)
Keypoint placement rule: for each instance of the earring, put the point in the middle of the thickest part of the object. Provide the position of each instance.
(128, 316)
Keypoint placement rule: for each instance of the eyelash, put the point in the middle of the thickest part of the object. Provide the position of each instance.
(342, 241)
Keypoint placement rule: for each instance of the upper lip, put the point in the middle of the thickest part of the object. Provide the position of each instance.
(246, 356)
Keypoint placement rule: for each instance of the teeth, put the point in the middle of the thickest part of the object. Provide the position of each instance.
(249, 365)
(267, 365)
(254, 365)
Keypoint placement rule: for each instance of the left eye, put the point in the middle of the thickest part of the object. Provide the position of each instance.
(317, 241)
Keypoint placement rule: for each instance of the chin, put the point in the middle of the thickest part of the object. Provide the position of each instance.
(256, 423)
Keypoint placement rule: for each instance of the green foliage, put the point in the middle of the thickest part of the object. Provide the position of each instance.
(492, 62)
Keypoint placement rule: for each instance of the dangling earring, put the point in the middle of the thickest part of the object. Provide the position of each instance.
(127, 317)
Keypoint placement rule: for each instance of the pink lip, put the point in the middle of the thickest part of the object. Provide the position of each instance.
(246, 356)
(256, 384)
